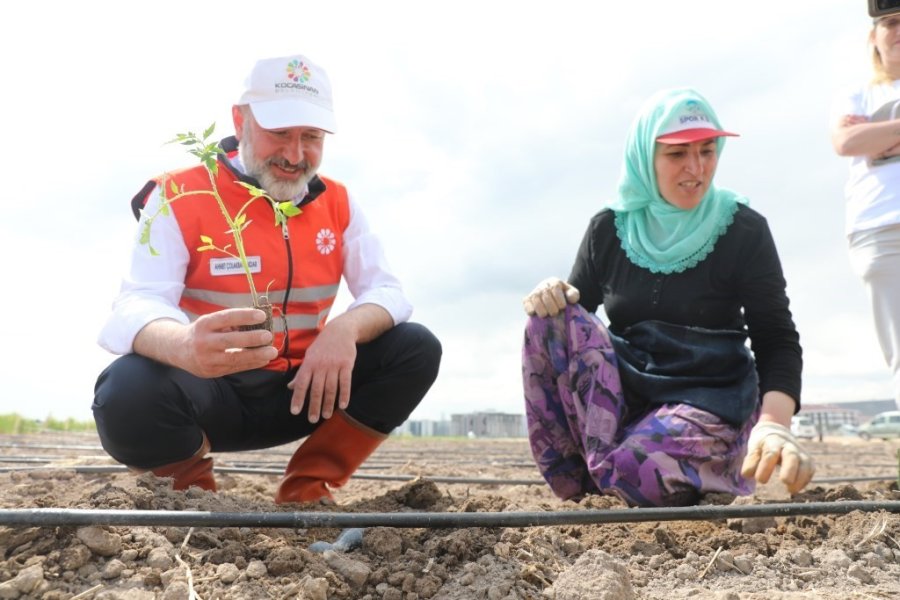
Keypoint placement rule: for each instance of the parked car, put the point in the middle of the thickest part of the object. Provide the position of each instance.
(803, 427)
(885, 425)
(848, 430)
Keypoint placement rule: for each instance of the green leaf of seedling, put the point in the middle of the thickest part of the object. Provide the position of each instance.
(209, 130)
(254, 191)
(206, 239)
(153, 251)
(173, 187)
(205, 248)
(145, 235)
(289, 209)
(164, 209)
(241, 218)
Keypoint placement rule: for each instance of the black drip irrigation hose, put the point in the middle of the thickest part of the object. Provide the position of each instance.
(892, 477)
(374, 465)
(250, 466)
(255, 466)
(234, 470)
(59, 517)
(268, 467)
(95, 469)
(386, 453)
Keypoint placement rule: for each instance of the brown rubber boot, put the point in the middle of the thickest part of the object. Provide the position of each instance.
(327, 459)
(194, 471)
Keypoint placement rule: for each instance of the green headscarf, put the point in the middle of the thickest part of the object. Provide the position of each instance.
(655, 234)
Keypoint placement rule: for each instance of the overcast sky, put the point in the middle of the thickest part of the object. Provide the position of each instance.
(479, 137)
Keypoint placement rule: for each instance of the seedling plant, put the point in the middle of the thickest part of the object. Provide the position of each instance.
(207, 151)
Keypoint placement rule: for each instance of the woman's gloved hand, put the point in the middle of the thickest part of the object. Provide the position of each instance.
(550, 297)
(772, 444)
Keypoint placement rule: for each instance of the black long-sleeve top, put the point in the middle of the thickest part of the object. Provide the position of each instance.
(738, 286)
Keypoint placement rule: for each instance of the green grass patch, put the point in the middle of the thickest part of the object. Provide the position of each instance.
(14, 424)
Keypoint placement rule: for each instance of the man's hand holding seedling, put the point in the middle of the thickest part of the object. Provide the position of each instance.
(211, 346)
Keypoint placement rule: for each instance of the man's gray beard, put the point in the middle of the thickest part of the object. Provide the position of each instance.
(260, 170)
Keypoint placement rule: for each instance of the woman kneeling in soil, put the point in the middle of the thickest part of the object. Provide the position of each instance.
(663, 406)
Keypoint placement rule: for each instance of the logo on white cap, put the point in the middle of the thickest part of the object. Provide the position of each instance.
(691, 117)
(296, 76)
(690, 124)
(289, 91)
(297, 71)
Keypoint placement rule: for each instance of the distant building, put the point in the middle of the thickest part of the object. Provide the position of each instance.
(423, 428)
(835, 414)
(868, 408)
(828, 417)
(489, 425)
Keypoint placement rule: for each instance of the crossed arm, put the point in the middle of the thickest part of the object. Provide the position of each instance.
(855, 135)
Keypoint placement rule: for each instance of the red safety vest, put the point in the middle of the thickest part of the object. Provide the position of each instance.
(299, 265)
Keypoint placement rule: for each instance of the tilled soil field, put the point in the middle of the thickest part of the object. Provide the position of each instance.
(841, 556)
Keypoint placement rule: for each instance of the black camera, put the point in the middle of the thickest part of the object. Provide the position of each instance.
(879, 8)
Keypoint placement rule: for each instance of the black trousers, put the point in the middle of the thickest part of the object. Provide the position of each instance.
(149, 414)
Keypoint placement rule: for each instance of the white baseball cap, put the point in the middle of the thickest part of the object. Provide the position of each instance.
(690, 124)
(289, 91)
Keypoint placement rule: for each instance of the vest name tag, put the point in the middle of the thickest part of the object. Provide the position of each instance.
(232, 266)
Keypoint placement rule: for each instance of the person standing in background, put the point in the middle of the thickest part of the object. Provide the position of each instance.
(865, 127)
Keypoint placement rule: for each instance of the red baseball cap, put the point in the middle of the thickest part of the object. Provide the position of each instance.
(690, 124)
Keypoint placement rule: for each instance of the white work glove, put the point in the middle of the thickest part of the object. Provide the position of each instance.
(550, 297)
(772, 444)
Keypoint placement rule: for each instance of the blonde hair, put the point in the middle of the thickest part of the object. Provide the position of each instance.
(881, 74)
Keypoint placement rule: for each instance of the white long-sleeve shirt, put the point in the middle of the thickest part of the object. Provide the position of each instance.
(153, 286)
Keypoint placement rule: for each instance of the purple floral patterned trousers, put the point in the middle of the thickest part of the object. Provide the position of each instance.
(585, 441)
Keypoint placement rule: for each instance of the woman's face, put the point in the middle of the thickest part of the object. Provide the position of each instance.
(685, 171)
(886, 37)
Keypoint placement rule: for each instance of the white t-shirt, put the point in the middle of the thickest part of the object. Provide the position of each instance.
(872, 190)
